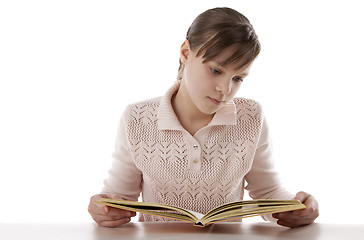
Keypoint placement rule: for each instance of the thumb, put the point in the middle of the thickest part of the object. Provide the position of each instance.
(111, 196)
(301, 196)
(116, 196)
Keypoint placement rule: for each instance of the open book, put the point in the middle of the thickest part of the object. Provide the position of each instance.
(225, 212)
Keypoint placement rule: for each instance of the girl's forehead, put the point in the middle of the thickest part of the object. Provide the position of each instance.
(222, 60)
(231, 57)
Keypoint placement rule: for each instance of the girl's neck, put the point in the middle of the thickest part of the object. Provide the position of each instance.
(190, 117)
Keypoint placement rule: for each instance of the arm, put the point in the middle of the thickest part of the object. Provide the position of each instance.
(263, 182)
(125, 178)
(124, 182)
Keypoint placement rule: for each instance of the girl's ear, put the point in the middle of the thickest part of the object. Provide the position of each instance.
(185, 51)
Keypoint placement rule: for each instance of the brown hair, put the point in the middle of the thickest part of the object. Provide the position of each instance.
(220, 29)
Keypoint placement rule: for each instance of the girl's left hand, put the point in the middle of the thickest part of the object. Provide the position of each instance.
(301, 217)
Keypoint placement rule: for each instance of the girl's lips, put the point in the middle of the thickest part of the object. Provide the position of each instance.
(214, 100)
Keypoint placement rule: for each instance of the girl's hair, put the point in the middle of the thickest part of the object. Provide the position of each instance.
(220, 29)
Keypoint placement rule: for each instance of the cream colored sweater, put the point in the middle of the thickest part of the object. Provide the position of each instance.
(154, 155)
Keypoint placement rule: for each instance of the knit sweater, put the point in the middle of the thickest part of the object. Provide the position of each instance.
(154, 155)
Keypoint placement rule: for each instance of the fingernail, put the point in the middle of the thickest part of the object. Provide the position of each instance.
(106, 209)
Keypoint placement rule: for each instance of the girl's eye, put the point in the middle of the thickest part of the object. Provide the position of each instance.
(215, 71)
(238, 79)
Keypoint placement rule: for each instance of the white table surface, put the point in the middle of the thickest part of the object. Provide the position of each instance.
(175, 230)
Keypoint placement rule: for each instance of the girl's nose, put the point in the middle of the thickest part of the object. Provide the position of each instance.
(224, 86)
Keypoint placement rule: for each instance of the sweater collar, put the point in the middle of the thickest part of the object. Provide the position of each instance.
(167, 119)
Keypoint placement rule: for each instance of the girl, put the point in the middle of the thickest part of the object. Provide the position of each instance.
(198, 147)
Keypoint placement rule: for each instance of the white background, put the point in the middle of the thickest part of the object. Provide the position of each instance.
(68, 68)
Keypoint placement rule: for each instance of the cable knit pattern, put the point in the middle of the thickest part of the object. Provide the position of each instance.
(196, 172)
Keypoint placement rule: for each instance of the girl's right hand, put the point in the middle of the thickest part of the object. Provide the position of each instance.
(106, 216)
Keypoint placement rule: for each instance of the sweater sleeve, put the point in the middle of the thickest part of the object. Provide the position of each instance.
(124, 177)
(263, 180)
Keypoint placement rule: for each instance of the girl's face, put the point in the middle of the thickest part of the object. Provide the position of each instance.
(208, 86)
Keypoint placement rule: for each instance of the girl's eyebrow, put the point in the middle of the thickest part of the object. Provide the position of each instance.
(219, 65)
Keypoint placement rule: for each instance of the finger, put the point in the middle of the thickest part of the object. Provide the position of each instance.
(99, 209)
(101, 218)
(96, 208)
(115, 223)
(308, 200)
(285, 223)
(116, 196)
(297, 214)
(120, 212)
(110, 214)
(109, 209)
(311, 202)
(311, 211)
(292, 223)
(302, 196)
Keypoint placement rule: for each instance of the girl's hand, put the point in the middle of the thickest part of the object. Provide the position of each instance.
(301, 217)
(106, 216)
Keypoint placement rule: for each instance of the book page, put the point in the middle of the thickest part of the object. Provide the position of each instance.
(197, 214)
(152, 208)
